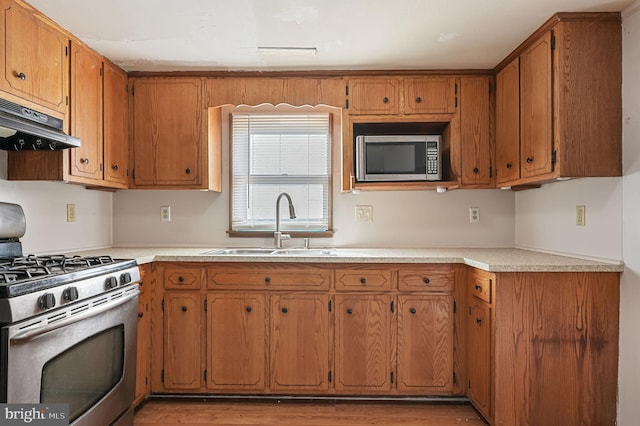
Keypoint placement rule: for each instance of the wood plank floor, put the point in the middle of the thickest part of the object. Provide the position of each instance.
(298, 413)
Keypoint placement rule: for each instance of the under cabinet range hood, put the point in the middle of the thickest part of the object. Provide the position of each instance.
(22, 128)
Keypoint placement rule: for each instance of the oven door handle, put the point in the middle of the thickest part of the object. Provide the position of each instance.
(33, 332)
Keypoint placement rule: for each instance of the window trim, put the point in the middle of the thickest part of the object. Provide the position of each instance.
(335, 134)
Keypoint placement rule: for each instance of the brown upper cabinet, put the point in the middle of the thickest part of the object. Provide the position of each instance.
(552, 79)
(35, 58)
(475, 132)
(170, 141)
(396, 95)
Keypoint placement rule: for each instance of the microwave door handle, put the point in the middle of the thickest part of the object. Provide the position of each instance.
(90, 312)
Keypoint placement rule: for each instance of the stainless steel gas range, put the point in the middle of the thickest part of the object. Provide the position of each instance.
(67, 329)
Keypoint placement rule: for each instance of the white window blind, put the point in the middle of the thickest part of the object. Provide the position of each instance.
(274, 153)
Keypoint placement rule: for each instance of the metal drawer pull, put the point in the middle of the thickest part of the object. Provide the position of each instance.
(249, 309)
(477, 286)
(426, 280)
(363, 280)
(349, 311)
(284, 310)
(184, 309)
(22, 76)
(478, 320)
(385, 99)
(413, 311)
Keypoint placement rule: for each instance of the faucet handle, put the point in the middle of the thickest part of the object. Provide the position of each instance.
(306, 243)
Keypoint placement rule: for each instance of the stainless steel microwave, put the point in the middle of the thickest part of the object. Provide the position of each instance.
(386, 158)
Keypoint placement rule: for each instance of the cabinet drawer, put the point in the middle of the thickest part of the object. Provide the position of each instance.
(182, 278)
(427, 278)
(480, 282)
(363, 279)
(275, 278)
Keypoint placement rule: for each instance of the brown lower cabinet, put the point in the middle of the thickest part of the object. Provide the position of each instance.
(542, 348)
(530, 348)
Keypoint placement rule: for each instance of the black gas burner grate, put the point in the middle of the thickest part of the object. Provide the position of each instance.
(13, 270)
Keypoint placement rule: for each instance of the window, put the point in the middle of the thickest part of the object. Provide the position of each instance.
(275, 153)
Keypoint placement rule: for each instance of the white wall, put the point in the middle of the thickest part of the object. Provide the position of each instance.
(45, 207)
(545, 220)
(400, 219)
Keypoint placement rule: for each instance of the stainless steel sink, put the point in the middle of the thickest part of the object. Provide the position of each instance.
(305, 252)
(240, 251)
(259, 251)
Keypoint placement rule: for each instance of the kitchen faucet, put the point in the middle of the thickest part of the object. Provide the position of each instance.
(279, 236)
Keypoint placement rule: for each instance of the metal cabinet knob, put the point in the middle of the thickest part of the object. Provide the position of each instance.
(476, 170)
(140, 314)
(115, 167)
(84, 160)
(385, 100)
(248, 309)
(478, 320)
(529, 160)
(267, 280)
(284, 310)
(477, 286)
(509, 165)
(187, 171)
(22, 76)
(413, 311)
(180, 279)
(426, 280)
(418, 99)
(349, 311)
(363, 280)
(184, 309)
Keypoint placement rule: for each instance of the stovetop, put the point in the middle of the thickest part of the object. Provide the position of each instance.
(27, 274)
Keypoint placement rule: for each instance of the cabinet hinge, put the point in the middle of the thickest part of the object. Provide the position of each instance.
(489, 87)
(101, 167)
(330, 306)
(163, 305)
(101, 71)
(205, 376)
(391, 377)
(133, 173)
(553, 42)
(554, 156)
(66, 99)
(66, 51)
(469, 384)
(346, 90)
(133, 90)
(162, 376)
(205, 308)
(347, 104)
(146, 380)
(329, 376)
(455, 378)
(455, 306)
(469, 310)
(490, 172)
(392, 307)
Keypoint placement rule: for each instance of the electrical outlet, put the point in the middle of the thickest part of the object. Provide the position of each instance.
(165, 214)
(71, 212)
(364, 214)
(581, 215)
(474, 214)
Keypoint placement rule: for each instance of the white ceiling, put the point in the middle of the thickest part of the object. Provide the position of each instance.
(173, 35)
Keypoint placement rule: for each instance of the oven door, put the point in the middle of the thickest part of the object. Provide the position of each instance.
(86, 359)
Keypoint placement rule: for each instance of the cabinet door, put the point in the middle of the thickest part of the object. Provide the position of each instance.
(374, 96)
(508, 123)
(479, 356)
(182, 340)
(364, 360)
(535, 108)
(167, 131)
(236, 341)
(475, 131)
(36, 60)
(430, 95)
(86, 112)
(299, 342)
(425, 343)
(116, 126)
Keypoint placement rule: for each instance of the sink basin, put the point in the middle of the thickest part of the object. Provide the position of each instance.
(305, 252)
(250, 251)
(257, 251)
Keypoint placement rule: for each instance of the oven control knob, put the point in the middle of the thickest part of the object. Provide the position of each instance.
(70, 294)
(111, 283)
(47, 301)
(125, 278)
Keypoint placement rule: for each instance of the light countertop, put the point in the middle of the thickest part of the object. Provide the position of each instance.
(488, 259)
